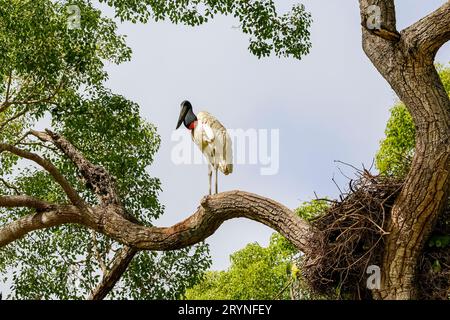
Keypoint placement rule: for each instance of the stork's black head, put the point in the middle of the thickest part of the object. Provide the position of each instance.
(187, 116)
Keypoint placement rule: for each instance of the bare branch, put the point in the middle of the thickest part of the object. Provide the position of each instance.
(40, 220)
(212, 212)
(96, 177)
(50, 168)
(111, 218)
(431, 32)
(118, 266)
(24, 201)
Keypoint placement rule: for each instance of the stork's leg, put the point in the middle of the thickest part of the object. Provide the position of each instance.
(210, 177)
(216, 179)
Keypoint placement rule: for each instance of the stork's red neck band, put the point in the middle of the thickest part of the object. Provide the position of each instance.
(192, 125)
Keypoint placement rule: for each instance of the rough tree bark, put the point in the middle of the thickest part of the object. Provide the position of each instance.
(406, 61)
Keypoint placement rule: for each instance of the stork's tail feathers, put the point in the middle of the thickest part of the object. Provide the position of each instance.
(226, 168)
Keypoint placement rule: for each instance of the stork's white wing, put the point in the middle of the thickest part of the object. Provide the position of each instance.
(209, 133)
(208, 123)
(217, 138)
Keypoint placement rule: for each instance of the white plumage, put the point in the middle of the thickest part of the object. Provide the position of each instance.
(213, 140)
(211, 137)
(215, 143)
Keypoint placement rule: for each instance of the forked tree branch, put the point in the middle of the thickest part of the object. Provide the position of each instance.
(408, 66)
(96, 177)
(425, 36)
(42, 219)
(431, 32)
(23, 201)
(10, 186)
(46, 99)
(214, 210)
(27, 102)
(49, 167)
(13, 118)
(387, 29)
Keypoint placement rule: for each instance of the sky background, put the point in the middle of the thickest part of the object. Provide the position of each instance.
(331, 105)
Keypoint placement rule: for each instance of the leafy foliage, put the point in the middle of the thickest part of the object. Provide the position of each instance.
(255, 273)
(397, 148)
(312, 209)
(154, 275)
(285, 35)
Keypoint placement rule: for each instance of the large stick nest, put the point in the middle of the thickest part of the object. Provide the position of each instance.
(350, 238)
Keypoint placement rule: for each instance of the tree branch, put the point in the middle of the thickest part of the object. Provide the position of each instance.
(97, 253)
(50, 168)
(212, 212)
(96, 177)
(8, 87)
(5, 104)
(431, 32)
(380, 46)
(118, 266)
(18, 201)
(40, 220)
(46, 99)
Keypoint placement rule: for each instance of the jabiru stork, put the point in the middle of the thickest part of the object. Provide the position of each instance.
(211, 137)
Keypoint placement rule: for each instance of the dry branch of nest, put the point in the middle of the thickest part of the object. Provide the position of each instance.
(350, 237)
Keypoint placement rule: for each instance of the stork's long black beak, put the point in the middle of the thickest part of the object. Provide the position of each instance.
(183, 113)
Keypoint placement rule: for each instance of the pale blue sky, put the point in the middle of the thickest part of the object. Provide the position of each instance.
(331, 105)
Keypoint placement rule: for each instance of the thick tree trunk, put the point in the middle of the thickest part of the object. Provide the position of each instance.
(406, 61)
(426, 189)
